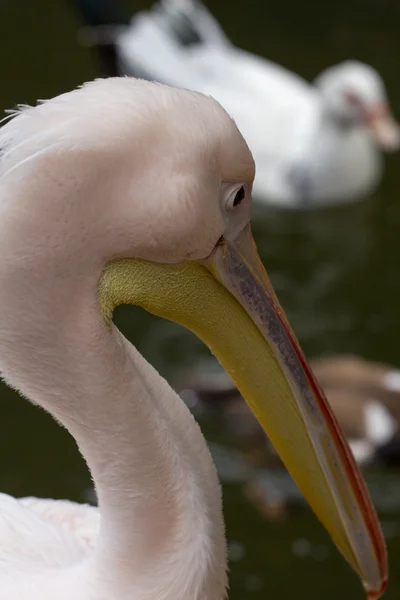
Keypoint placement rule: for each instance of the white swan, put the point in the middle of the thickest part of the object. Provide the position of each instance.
(131, 192)
(314, 144)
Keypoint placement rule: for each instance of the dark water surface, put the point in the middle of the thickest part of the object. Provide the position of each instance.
(335, 271)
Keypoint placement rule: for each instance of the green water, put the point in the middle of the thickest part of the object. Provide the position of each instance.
(335, 272)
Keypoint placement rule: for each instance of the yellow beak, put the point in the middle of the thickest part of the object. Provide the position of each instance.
(228, 302)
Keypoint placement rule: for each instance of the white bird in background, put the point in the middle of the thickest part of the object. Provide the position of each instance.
(314, 144)
(126, 191)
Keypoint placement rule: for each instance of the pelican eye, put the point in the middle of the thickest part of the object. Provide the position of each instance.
(239, 196)
(236, 198)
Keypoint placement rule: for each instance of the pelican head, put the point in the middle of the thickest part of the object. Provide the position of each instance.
(126, 191)
(354, 95)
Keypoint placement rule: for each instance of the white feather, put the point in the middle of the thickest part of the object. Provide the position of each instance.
(362, 450)
(391, 381)
(380, 426)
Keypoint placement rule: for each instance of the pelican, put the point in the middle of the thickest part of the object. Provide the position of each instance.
(130, 192)
(315, 144)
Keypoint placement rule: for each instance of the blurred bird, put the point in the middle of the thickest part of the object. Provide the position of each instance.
(129, 192)
(365, 397)
(314, 144)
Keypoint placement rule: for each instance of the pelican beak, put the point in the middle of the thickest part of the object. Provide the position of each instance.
(273, 376)
(383, 128)
(228, 302)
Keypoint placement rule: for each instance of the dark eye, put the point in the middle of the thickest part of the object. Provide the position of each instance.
(235, 197)
(240, 194)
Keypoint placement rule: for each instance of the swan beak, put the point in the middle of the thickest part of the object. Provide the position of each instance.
(273, 376)
(384, 129)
